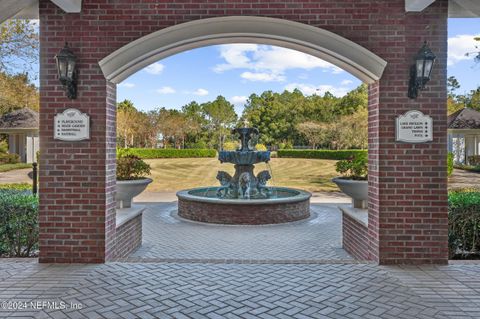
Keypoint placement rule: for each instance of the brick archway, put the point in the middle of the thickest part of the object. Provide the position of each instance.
(407, 221)
(318, 42)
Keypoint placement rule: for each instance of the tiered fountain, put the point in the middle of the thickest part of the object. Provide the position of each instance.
(244, 198)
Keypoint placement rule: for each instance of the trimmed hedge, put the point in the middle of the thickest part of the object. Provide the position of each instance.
(18, 223)
(321, 154)
(464, 223)
(149, 153)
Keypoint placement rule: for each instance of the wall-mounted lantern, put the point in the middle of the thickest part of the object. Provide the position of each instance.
(67, 74)
(421, 71)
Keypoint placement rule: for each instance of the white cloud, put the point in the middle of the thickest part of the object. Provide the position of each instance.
(235, 56)
(238, 100)
(166, 90)
(346, 82)
(310, 89)
(459, 45)
(263, 77)
(200, 92)
(127, 85)
(266, 59)
(155, 68)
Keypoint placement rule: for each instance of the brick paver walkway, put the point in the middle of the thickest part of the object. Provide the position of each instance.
(283, 271)
(193, 290)
(168, 237)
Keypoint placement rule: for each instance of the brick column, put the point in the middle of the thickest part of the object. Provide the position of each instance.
(77, 179)
(408, 220)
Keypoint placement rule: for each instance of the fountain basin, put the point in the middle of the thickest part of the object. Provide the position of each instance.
(202, 205)
(244, 158)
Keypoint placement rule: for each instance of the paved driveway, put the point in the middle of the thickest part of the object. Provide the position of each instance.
(464, 179)
(16, 176)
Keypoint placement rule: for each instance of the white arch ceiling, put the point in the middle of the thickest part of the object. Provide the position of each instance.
(323, 44)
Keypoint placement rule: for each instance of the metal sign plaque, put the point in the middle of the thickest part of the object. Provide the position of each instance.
(414, 127)
(72, 125)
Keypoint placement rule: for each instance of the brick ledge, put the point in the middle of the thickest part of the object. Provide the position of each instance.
(126, 214)
(360, 215)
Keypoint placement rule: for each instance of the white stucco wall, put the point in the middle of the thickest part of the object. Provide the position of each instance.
(25, 144)
(463, 143)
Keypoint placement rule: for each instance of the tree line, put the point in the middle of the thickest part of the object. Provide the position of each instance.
(283, 119)
(18, 54)
(456, 101)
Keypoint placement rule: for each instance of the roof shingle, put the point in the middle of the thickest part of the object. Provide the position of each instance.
(466, 118)
(20, 119)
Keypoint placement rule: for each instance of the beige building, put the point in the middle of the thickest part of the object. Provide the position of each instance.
(21, 126)
(464, 134)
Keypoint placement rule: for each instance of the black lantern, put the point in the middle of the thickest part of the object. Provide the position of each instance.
(420, 71)
(67, 73)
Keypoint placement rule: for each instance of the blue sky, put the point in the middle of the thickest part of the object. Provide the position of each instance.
(236, 71)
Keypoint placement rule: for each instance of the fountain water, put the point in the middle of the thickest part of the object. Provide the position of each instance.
(244, 198)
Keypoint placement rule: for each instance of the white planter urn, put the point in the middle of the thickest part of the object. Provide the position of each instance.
(127, 190)
(357, 190)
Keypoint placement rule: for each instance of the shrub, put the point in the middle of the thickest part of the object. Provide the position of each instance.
(321, 154)
(131, 167)
(230, 146)
(474, 160)
(18, 223)
(149, 153)
(260, 147)
(3, 147)
(6, 158)
(464, 222)
(450, 164)
(356, 167)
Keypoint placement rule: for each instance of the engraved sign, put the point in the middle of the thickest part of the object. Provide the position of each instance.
(72, 125)
(414, 127)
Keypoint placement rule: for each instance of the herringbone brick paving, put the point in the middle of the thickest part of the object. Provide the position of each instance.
(185, 290)
(268, 286)
(168, 237)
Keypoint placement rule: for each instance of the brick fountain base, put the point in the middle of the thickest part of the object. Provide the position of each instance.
(193, 206)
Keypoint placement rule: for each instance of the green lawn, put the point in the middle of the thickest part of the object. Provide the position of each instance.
(174, 174)
(11, 167)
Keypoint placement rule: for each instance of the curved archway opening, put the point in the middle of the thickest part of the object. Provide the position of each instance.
(317, 42)
(207, 164)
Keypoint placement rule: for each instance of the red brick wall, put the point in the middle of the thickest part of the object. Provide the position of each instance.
(409, 209)
(128, 237)
(244, 214)
(408, 221)
(355, 238)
